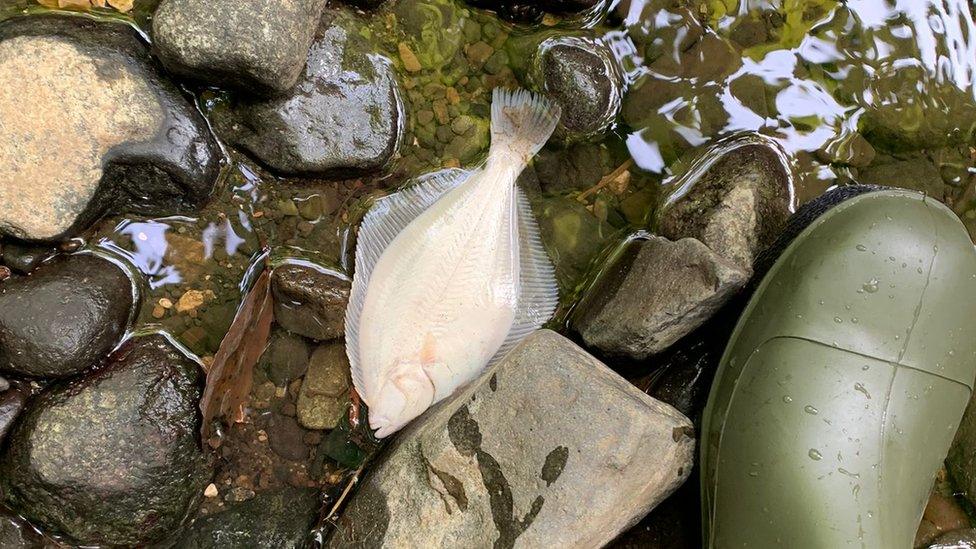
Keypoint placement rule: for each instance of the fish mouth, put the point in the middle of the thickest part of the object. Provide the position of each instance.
(382, 425)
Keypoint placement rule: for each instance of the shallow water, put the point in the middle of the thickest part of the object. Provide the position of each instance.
(844, 89)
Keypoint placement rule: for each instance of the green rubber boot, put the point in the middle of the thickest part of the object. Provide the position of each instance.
(844, 382)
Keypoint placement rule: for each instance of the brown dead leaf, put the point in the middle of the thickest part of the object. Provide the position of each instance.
(75, 4)
(229, 378)
(123, 6)
(49, 3)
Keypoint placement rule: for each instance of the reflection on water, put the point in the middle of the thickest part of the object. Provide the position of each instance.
(816, 76)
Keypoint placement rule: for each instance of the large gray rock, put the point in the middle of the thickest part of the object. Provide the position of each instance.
(310, 300)
(279, 519)
(111, 458)
(258, 46)
(65, 317)
(737, 205)
(126, 139)
(582, 76)
(344, 116)
(549, 448)
(655, 293)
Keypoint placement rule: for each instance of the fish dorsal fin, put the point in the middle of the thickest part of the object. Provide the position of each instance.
(538, 291)
(384, 221)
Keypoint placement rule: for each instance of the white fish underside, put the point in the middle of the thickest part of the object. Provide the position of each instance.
(449, 274)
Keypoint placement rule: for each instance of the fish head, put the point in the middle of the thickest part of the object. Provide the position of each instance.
(404, 395)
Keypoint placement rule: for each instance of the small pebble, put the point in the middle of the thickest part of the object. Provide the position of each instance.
(165, 303)
(211, 491)
(158, 312)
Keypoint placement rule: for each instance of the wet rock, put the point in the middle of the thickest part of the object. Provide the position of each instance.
(942, 514)
(575, 168)
(325, 391)
(285, 359)
(960, 539)
(961, 461)
(911, 171)
(112, 458)
(433, 30)
(344, 116)
(64, 318)
(654, 293)
(259, 46)
(281, 518)
(575, 235)
(17, 534)
(128, 140)
(593, 456)
(582, 75)
(11, 404)
(736, 206)
(23, 258)
(310, 301)
(287, 438)
(526, 11)
(4, 384)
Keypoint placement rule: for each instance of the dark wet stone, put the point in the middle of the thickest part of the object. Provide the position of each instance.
(310, 301)
(4, 384)
(287, 438)
(737, 207)
(23, 258)
(258, 46)
(286, 358)
(959, 539)
(675, 524)
(575, 168)
(910, 171)
(11, 404)
(64, 318)
(112, 457)
(128, 140)
(343, 117)
(582, 75)
(17, 534)
(281, 519)
(653, 294)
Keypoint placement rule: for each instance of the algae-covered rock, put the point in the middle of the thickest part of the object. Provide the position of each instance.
(433, 29)
(736, 202)
(112, 458)
(574, 237)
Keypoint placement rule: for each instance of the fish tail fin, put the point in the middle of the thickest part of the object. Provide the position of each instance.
(521, 122)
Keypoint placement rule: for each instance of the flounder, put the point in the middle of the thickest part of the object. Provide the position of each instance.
(450, 273)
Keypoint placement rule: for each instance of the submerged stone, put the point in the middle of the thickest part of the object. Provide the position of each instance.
(310, 301)
(258, 46)
(735, 203)
(65, 317)
(324, 396)
(582, 75)
(345, 115)
(112, 458)
(285, 359)
(548, 448)
(280, 518)
(655, 293)
(126, 139)
(23, 258)
(959, 539)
